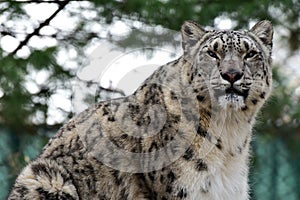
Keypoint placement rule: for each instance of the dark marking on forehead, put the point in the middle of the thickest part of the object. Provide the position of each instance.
(217, 35)
(246, 45)
(216, 44)
(222, 38)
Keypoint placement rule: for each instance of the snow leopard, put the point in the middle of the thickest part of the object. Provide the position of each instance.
(185, 133)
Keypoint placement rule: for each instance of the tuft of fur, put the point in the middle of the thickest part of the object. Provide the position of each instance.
(44, 179)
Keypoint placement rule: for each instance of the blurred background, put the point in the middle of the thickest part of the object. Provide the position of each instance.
(45, 44)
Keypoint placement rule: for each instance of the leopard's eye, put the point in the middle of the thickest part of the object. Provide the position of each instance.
(250, 54)
(212, 54)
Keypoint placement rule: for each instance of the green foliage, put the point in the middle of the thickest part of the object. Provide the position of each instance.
(171, 14)
(18, 103)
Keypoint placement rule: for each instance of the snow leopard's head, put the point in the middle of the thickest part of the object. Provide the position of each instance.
(230, 68)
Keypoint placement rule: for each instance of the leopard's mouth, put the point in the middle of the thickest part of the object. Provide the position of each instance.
(231, 97)
(232, 92)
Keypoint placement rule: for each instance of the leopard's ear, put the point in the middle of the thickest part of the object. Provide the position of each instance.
(264, 31)
(191, 33)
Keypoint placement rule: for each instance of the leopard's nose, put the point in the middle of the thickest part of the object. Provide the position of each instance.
(232, 76)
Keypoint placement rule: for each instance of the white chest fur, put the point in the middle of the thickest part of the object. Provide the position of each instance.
(226, 177)
(227, 183)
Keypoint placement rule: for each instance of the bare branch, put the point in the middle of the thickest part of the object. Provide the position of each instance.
(39, 1)
(111, 90)
(62, 5)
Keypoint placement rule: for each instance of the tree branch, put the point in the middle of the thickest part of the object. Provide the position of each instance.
(39, 1)
(112, 90)
(62, 5)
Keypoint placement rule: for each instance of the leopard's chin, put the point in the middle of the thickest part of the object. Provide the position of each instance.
(231, 101)
(232, 98)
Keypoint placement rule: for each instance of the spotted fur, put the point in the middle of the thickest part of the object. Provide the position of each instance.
(184, 133)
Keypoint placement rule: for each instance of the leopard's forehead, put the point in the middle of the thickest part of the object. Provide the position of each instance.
(230, 40)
